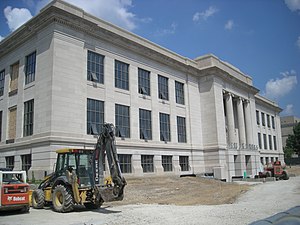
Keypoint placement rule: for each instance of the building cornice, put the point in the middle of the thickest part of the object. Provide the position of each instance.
(260, 100)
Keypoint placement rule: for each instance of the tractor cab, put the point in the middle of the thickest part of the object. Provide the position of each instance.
(77, 160)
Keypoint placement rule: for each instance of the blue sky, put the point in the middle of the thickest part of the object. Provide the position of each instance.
(261, 38)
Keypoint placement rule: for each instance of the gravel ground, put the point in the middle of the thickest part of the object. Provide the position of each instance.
(263, 200)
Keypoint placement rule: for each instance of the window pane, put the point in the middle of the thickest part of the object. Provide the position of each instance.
(122, 120)
(95, 67)
(30, 68)
(28, 118)
(121, 75)
(179, 91)
(163, 88)
(95, 116)
(145, 124)
(164, 127)
(143, 82)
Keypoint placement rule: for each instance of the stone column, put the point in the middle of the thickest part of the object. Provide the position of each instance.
(241, 121)
(249, 133)
(230, 118)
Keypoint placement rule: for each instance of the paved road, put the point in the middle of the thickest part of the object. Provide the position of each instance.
(262, 201)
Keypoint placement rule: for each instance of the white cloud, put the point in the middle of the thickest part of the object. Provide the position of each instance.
(293, 5)
(116, 11)
(167, 31)
(288, 110)
(279, 87)
(298, 42)
(1, 38)
(205, 14)
(16, 17)
(229, 25)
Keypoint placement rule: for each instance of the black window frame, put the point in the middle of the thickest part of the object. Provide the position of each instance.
(179, 93)
(26, 162)
(263, 119)
(95, 116)
(181, 129)
(184, 163)
(265, 141)
(145, 123)
(10, 162)
(144, 85)
(270, 142)
(147, 163)
(121, 75)
(167, 163)
(165, 128)
(268, 121)
(2, 82)
(122, 120)
(30, 68)
(163, 87)
(95, 67)
(28, 118)
(273, 122)
(275, 142)
(259, 141)
(257, 118)
(125, 161)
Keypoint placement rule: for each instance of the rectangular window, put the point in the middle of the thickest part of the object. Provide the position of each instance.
(184, 163)
(12, 123)
(257, 118)
(122, 120)
(263, 119)
(179, 91)
(163, 88)
(30, 68)
(273, 122)
(275, 142)
(95, 67)
(10, 162)
(167, 163)
(2, 81)
(144, 82)
(181, 129)
(270, 142)
(147, 163)
(95, 116)
(14, 77)
(28, 118)
(125, 163)
(265, 141)
(145, 124)
(121, 75)
(268, 121)
(164, 121)
(26, 162)
(259, 141)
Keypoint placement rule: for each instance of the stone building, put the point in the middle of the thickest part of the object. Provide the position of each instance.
(65, 72)
(287, 125)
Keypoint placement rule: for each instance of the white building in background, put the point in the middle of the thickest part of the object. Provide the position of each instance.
(65, 72)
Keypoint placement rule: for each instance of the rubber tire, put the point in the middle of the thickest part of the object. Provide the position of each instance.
(62, 199)
(38, 199)
(25, 209)
(284, 175)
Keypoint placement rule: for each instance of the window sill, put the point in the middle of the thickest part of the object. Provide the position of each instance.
(123, 91)
(30, 85)
(13, 92)
(146, 97)
(95, 84)
(164, 102)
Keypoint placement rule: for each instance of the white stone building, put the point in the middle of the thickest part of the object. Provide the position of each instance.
(65, 72)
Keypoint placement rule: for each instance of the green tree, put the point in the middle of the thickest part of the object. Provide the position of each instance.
(293, 142)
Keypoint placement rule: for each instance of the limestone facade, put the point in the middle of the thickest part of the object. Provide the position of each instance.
(202, 111)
